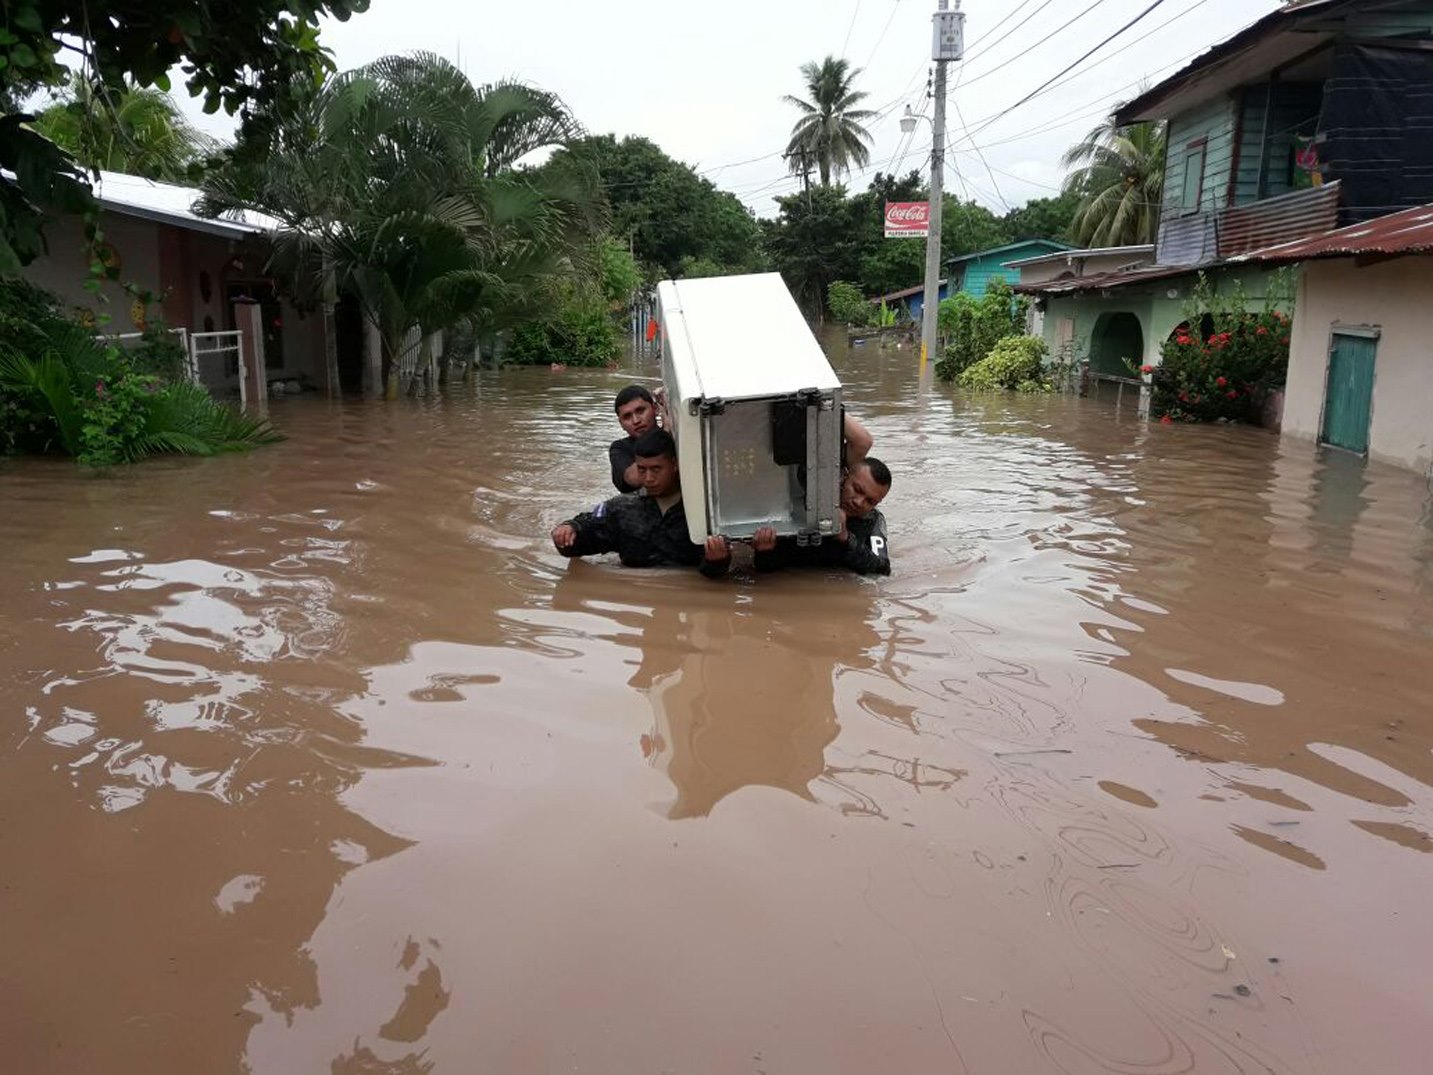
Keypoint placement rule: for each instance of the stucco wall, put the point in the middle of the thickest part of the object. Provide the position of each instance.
(65, 268)
(1393, 296)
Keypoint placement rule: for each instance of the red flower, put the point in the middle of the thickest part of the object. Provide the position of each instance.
(1284, 340)
(1183, 341)
(1214, 339)
(1261, 331)
(1166, 420)
(1184, 397)
(1146, 369)
(1220, 381)
(99, 388)
(1232, 394)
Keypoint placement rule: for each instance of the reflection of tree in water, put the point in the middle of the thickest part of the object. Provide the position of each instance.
(740, 683)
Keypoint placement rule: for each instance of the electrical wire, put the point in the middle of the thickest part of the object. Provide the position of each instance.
(854, 15)
(1058, 30)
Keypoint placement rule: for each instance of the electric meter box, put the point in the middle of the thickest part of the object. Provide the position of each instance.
(755, 408)
(949, 41)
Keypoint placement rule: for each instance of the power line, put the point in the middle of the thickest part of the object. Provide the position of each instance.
(981, 153)
(1058, 30)
(854, 16)
(1067, 69)
(896, 6)
(1010, 15)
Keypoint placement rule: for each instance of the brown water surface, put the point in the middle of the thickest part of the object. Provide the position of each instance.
(321, 760)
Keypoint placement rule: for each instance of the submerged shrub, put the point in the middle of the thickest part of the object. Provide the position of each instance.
(973, 327)
(580, 334)
(1015, 363)
(847, 304)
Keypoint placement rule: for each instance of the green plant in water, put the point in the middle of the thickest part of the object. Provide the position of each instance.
(972, 327)
(1015, 363)
(847, 304)
(885, 316)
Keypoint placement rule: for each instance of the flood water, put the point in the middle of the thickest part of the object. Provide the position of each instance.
(320, 759)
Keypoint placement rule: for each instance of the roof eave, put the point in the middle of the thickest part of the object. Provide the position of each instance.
(227, 229)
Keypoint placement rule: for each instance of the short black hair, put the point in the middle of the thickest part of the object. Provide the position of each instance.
(880, 473)
(653, 443)
(631, 392)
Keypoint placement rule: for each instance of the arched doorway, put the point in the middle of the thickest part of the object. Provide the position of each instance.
(1116, 344)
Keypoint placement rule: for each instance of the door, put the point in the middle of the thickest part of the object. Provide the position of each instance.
(1348, 396)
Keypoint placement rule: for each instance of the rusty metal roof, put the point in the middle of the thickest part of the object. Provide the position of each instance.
(1106, 281)
(1408, 232)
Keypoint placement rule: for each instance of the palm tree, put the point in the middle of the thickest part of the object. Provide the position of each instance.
(1118, 172)
(135, 130)
(397, 183)
(829, 131)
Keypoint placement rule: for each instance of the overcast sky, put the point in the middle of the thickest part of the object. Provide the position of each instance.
(705, 80)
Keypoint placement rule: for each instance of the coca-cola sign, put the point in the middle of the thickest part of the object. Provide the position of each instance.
(907, 220)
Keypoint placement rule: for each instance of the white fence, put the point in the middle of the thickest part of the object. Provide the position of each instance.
(214, 360)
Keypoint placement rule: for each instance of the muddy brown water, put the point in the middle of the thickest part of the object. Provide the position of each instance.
(320, 760)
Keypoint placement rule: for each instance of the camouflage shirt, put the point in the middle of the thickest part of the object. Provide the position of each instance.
(634, 526)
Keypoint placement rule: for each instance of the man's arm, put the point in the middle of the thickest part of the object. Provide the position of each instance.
(624, 467)
(867, 551)
(716, 558)
(585, 534)
(858, 440)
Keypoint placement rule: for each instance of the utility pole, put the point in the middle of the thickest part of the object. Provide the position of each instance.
(949, 44)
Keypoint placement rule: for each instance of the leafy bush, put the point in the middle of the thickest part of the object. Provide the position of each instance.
(1222, 363)
(63, 391)
(579, 334)
(847, 304)
(1016, 362)
(972, 327)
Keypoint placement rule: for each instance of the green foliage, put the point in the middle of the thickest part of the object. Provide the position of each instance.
(829, 136)
(159, 353)
(63, 391)
(700, 268)
(618, 270)
(973, 327)
(396, 183)
(134, 129)
(1043, 218)
(579, 334)
(1014, 363)
(1118, 174)
(245, 56)
(1223, 361)
(847, 304)
(885, 316)
(671, 213)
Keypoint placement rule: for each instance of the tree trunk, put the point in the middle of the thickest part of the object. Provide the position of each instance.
(330, 328)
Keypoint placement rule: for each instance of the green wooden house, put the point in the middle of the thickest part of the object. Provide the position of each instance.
(1309, 119)
(973, 273)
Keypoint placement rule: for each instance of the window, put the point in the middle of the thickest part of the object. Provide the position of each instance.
(1194, 156)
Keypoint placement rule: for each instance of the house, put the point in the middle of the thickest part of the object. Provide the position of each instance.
(974, 273)
(1074, 262)
(209, 277)
(1360, 378)
(909, 302)
(1274, 136)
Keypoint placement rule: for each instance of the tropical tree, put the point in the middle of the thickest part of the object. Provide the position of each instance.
(397, 183)
(1118, 172)
(829, 132)
(134, 129)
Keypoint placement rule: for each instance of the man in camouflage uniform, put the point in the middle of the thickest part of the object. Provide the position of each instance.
(647, 528)
(860, 546)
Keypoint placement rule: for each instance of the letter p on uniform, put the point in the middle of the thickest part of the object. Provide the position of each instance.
(878, 545)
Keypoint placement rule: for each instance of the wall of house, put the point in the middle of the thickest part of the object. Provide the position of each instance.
(65, 268)
(1217, 121)
(1391, 296)
(1272, 115)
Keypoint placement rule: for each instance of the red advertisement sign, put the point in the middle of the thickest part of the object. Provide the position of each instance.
(907, 220)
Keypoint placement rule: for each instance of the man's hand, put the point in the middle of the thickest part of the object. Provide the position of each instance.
(718, 549)
(632, 476)
(841, 532)
(764, 540)
(564, 537)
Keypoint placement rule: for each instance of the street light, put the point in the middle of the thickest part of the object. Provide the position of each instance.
(908, 121)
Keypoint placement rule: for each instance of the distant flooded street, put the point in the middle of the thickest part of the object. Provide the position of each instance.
(321, 759)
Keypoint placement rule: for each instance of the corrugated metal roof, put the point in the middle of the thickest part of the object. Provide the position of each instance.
(904, 294)
(1408, 232)
(1286, 218)
(1105, 281)
(169, 203)
(1079, 252)
(1054, 244)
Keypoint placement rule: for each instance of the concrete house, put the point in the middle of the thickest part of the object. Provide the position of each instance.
(973, 274)
(1360, 375)
(210, 275)
(1273, 136)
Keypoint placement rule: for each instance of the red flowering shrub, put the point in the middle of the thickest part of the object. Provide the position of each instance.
(1226, 375)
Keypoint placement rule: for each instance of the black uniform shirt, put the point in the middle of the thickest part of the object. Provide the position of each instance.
(622, 456)
(864, 551)
(635, 527)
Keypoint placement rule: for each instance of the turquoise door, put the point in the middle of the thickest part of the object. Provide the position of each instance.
(1348, 398)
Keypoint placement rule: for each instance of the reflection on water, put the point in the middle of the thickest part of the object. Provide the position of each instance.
(320, 759)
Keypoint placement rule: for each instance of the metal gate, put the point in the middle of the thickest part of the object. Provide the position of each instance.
(1348, 392)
